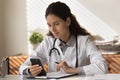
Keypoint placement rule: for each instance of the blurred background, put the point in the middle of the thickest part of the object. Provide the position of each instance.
(19, 18)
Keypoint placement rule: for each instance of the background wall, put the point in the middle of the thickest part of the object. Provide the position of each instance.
(13, 27)
(1, 30)
(106, 10)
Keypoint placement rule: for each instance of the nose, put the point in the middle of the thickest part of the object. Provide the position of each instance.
(52, 28)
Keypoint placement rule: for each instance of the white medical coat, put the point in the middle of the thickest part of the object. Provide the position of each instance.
(90, 60)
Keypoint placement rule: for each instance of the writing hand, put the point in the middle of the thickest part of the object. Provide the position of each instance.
(66, 68)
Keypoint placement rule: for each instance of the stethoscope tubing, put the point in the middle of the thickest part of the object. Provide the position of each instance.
(50, 53)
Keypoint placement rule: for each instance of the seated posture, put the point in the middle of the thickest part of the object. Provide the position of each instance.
(67, 47)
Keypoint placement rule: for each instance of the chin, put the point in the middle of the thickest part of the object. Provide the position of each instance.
(56, 36)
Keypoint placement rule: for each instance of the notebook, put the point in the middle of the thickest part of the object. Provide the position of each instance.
(53, 75)
(57, 75)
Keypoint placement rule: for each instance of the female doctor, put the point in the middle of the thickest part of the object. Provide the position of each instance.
(66, 43)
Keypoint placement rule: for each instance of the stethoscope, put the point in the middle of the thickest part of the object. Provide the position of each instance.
(56, 50)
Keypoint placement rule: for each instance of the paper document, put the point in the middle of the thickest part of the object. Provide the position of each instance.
(57, 75)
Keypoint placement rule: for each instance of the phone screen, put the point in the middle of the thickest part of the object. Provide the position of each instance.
(35, 61)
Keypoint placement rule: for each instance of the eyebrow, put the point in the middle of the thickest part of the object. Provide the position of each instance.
(54, 22)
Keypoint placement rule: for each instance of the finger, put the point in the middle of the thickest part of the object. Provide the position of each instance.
(58, 67)
(34, 67)
(46, 67)
(61, 63)
(35, 70)
(64, 66)
(36, 73)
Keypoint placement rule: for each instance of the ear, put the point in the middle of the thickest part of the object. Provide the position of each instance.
(68, 21)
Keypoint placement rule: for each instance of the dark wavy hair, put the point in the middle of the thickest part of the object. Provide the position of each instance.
(61, 10)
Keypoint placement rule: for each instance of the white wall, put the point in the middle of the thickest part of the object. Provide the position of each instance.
(107, 10)
(15, 27)
(1, 31)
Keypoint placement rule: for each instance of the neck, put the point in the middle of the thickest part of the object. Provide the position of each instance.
(66, 38)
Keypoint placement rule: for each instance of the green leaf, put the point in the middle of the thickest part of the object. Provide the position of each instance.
(35, 38)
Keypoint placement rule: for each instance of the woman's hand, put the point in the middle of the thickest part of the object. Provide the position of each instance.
(66, 68)
(35, 70)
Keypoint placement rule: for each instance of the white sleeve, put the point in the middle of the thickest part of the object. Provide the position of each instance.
(43, 48)
(97, 62)
(24, 66)
(40, 52)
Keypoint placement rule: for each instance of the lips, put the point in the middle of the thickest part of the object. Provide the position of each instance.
(55, 33)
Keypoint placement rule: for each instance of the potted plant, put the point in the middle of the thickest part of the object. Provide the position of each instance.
(35, 39)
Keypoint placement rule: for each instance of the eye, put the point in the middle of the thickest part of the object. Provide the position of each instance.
(56, 24)
(49, 25)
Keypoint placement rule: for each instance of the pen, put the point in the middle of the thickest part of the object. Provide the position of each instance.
(57, 62)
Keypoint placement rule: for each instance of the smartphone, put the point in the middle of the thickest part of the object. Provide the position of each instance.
(35, 61)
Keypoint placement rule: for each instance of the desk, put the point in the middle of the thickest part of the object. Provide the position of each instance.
(96, 77)
(20, 77)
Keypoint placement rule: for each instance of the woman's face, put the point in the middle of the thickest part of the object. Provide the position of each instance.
(58, 27)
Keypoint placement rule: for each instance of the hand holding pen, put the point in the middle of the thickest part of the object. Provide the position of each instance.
(62, 65)
(65, 67)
